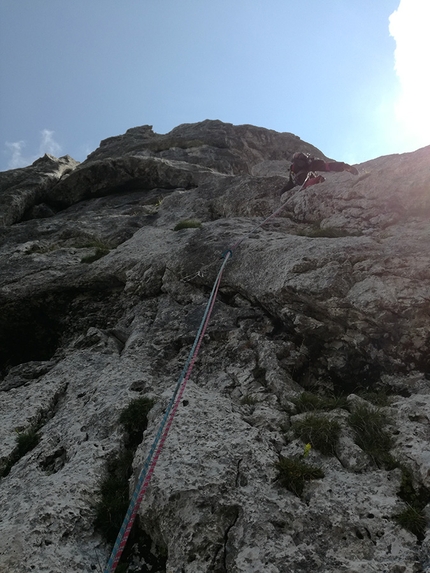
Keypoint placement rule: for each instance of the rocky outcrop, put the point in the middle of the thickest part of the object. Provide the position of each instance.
(100, 300)
(22, 191)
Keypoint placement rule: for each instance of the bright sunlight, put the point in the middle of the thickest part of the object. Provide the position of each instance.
(409, 28)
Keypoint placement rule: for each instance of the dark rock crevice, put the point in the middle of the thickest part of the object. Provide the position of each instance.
(33, 329)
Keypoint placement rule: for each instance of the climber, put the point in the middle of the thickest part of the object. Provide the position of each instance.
(303, 166)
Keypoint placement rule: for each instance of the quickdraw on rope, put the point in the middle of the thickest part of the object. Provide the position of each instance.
(158, 443)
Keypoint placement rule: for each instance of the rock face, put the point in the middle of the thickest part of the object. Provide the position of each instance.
(100, 301)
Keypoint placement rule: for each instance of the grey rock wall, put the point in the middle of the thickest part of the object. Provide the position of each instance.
(100, 300)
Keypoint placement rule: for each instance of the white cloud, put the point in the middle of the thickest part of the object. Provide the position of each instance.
(408, 25)
(17, 159)
(47, 145)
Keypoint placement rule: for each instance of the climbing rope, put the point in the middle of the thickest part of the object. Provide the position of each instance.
(161, 435)
(163, 430)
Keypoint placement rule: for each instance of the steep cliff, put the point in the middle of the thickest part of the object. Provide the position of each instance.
(320, 336)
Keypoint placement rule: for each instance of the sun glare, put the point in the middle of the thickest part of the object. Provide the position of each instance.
(409, 28)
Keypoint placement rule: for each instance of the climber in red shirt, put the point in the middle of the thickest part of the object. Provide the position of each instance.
(303, 166)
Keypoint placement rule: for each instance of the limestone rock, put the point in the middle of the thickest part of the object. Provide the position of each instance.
(22, 189)
(100, 302)
(227, 148)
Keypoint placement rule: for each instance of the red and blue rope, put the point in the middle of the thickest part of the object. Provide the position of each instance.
(158, 443)
(161, 435)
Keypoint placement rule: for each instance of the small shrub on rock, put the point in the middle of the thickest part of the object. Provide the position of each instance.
(188, 224)
(371, 436)
(308, 402)
(319, 431)
(26, 442)
(293, 474)
(414, 520)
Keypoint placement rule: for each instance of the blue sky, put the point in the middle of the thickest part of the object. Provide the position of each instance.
(73, 73)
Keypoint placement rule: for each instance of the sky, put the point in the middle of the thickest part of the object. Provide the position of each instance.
(348, 76)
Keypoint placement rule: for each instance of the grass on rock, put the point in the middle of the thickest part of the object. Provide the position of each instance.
(293, 474)
(319, 431)
(188, 224)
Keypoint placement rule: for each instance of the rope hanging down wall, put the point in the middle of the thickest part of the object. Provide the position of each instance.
(160, 438)
(161, 435)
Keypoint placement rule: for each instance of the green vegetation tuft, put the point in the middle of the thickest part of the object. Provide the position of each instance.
(371, 436)
(94, 244)
(308, 402)
(25, 442)
(114, 488)
(407, 490)
(188, 224)
(134, 419)
(98, 254)
(412, 518)
(249, 400)
(114, 496)
(319, 431)
(294, 473)
(101, 250)
(378, 398)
